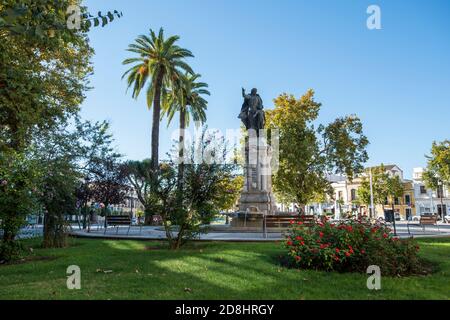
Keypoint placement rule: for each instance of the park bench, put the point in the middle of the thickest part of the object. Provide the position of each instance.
(284, 221)
(117, 221)
(308, 220)
(427, 220)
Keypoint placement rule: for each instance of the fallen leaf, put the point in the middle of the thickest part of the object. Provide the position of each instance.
(187, 290)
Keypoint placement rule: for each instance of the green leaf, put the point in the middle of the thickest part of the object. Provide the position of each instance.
(104, 21)
(111, 17)
(96, 22)
(88, 25)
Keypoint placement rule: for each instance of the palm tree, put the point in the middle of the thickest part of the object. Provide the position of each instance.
(188, 101)
(160, 63)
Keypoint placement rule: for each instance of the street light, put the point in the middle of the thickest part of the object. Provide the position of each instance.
(441, 191)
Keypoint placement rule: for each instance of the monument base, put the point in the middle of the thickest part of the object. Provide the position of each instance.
(259, 202)
(253, 205)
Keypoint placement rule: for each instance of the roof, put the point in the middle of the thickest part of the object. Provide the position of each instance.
(386, 166)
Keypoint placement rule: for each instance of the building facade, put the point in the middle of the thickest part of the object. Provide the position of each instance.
(429, 201)
(345, 200)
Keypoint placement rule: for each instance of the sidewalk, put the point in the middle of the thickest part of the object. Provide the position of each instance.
(156, 233)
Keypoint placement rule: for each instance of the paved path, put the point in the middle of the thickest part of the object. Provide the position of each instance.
(156, 233)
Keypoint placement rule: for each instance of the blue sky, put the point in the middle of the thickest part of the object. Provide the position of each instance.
(397, 79)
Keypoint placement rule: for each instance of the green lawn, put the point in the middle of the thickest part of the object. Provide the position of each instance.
(209, 270)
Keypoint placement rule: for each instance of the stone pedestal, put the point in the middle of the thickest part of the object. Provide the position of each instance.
(257, 198)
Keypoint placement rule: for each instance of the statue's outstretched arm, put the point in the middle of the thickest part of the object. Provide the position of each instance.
(243, 92)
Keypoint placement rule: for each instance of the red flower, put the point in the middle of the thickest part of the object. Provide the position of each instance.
(385, 235)
(323, 246)
(363, 251)
(300, 223)
(292, 221)
(336, 257)
(302, 243)
(289, 243)
(321, 234)
(337, 250)
(349, 228)
(298, 258)
(347, 254)
(298, 238)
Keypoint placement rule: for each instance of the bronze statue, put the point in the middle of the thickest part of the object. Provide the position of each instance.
(252, 111)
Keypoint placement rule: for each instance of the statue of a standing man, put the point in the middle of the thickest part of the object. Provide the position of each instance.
(252, 111)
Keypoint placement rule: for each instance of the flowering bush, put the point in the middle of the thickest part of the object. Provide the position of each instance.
(350, 246)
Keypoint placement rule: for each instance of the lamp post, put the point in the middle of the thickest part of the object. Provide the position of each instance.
(441, 191)
(372, 213)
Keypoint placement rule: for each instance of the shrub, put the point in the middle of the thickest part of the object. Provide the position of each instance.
(350, 246)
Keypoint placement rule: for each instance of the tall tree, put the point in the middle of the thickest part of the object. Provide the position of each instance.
(308, 154)
(18, 179)
(438, 166)
(205, 190)
(385, 188)
(437, 173)
(160, 62)
(187, 101)
(110, 185)
(75, 169)
(42, 81)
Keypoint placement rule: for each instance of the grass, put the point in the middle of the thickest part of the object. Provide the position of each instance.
(213, 270)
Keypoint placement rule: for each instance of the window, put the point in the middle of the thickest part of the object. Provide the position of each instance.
(423, 190)
(340, 195)
(396, 201)
(407, 199)
(353, 194)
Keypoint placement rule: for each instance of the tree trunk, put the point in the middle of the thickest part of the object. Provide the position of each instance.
(55, 235)
(181, 148)
(155, 123)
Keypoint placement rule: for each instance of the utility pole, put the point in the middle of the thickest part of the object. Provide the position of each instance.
(371, 195)
(441, 191)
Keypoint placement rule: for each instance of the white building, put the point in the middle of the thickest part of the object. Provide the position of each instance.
(429, 201)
